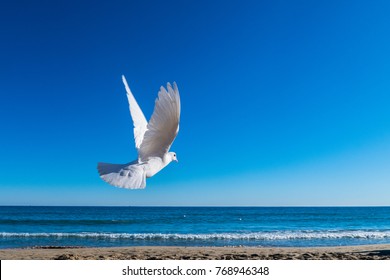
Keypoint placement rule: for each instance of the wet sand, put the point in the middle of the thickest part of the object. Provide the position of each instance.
(366, 252)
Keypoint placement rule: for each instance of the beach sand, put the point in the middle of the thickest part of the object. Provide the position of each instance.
(366, 252)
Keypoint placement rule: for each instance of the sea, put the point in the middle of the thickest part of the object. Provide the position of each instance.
(38, 226)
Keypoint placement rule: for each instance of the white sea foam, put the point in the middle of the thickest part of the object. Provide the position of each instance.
(276, 235)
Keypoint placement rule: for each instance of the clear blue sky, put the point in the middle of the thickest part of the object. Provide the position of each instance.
(283, 102)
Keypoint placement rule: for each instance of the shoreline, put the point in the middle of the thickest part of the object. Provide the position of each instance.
(360, 252)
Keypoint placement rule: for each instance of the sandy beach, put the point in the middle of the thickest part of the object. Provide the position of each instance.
(366, 252)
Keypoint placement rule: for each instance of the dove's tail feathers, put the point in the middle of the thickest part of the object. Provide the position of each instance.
(106, 168)
(129, 176)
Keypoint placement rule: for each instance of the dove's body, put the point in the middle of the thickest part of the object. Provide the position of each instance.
(155, 164)
(152, 140)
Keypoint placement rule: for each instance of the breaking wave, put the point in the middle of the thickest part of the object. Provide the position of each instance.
(276, 235)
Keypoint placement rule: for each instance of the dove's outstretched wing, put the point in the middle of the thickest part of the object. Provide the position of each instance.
(163, 125)
(140, 123)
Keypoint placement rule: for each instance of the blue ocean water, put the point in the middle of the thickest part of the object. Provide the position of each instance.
(193, 226)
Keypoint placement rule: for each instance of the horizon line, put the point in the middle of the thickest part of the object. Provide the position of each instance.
(201, 206)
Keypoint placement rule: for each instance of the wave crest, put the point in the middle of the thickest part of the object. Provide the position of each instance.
(277, 235)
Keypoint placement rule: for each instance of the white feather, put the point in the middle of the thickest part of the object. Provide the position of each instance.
(138, 117)
(129, 176)
(163, 125)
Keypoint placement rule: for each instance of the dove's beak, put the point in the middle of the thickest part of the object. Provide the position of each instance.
(176, 160)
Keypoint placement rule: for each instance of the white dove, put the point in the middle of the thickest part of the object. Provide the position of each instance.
(152, 141)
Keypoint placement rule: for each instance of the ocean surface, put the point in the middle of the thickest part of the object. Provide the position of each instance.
(22, 227)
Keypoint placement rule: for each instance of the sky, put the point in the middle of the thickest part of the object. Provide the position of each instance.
(284, 103)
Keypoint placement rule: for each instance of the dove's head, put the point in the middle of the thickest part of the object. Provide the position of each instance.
(173, 156)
